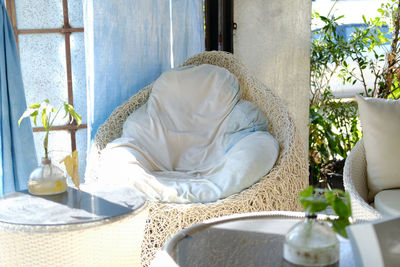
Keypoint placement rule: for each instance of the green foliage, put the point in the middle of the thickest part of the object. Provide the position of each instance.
(48, 114)
(312, 203)
(384, 64)
(328, 51)
(333, 127)
(317, 200)
(333, 131)
(333, 123)
(366, 41)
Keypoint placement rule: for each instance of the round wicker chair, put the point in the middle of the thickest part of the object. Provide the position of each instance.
(355, 182)
(277, 190)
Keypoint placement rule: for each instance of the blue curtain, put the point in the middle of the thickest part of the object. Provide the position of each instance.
(130, 43)
(18, 156)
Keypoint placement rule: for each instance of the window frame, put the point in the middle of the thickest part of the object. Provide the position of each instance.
(66, 30)
(219, 25)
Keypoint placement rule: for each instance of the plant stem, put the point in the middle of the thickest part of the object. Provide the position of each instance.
(55, 116)
(391, 58)
(361, 70)
(45, 144)
(46, 138)
(332, 8)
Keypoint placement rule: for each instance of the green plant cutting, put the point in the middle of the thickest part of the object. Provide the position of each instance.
(315, 200)
(48, 115)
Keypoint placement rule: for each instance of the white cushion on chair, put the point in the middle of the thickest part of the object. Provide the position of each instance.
(387, 202)
(380, 120)
(194, 140)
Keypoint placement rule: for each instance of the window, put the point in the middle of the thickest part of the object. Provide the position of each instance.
(50, 40)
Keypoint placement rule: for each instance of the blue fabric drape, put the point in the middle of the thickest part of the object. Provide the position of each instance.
(130, 43)
(18, 156)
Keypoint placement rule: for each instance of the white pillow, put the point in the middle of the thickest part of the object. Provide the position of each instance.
(380, 120)
(387, 202)
(194, 140)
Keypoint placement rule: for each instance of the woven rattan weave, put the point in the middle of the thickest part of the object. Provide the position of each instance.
(42, 231)
(355, 182)
(277, 190)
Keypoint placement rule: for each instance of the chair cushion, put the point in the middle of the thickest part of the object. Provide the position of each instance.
(387, 202)
(194, 140)
(380, 120)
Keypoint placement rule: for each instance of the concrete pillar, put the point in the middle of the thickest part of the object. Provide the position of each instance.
(273, 41)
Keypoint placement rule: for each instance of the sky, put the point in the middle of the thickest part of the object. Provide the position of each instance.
(351, 9)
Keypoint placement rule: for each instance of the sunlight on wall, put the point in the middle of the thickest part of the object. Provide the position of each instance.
(273, 41)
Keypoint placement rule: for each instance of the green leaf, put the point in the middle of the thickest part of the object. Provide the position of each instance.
(45, 119)
(348, 202)
(318, 206)
(340, 208)
(77, 118)
(316, 200)
(34, 116)
(34, 106)
(324, 19)
(27, 113)
(69, 109)
(339, 226)
(310, 202)
(307, 192)
(330, 196)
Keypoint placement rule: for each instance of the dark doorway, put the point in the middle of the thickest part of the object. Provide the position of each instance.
(219, 25)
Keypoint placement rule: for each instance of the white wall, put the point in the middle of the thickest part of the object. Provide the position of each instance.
(273, 41)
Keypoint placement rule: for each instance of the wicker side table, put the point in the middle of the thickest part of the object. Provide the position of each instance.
(92, 227)
(253, 239)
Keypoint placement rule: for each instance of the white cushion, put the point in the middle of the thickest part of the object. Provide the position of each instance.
(193, 141)
(380, 120)
(387, 202)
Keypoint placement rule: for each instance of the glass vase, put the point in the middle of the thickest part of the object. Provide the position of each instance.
(311, 243)
(47, 179)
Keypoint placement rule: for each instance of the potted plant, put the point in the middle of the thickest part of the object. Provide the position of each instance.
(365, 59)
(313, 242)
(48, 179)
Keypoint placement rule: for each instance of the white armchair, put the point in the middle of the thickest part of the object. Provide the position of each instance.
(277, 190)
(355, 182)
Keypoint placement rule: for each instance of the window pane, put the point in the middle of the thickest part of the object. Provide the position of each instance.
(81, 146)
(39, 14)
(79, 74)
(59, 146)
(43, 70)
(75, 13)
